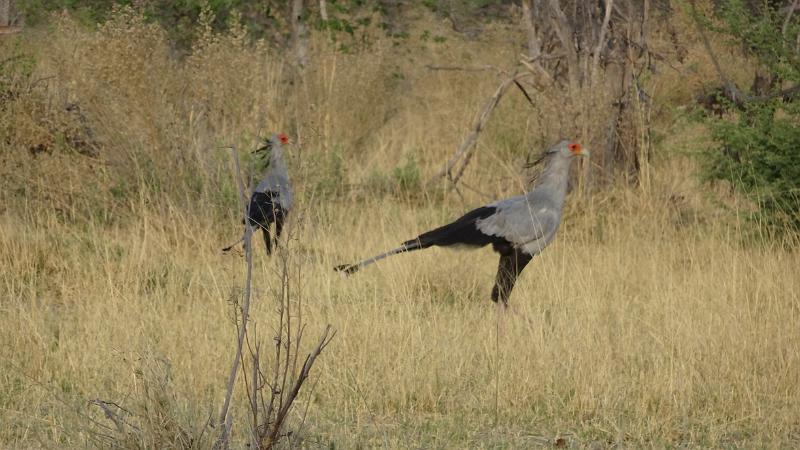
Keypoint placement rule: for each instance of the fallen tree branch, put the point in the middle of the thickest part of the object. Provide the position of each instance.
(464, 69)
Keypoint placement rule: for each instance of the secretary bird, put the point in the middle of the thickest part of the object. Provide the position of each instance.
(518, 228)
(272, 199)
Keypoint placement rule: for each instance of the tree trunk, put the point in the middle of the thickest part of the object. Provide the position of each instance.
(534, 45)
(323, 10)
(299, 35)
(5, 13)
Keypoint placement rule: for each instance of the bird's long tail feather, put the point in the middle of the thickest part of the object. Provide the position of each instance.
(349, 269)
(228, 248)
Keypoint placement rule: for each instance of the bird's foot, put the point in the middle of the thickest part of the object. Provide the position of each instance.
(346, 269)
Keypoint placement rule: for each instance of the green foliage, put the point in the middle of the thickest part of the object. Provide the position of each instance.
(759, 156)
(758, 148)
(407, 177)
(331, 179)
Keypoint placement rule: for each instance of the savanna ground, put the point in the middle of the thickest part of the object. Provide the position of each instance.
(654, 320)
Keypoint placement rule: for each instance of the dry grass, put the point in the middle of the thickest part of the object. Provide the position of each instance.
(646, 324)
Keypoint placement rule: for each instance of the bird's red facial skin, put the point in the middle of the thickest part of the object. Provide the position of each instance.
(284, 139)
(575, 148)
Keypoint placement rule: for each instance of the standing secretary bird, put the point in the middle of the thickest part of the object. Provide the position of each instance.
(518, 228)
(272, 199)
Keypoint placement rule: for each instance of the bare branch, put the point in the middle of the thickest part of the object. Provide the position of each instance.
(464, 69)
(468, 144)
(730, 89)
(542, 78)
(789, 13)
(601, 40)
(534, 45)
(254, 397)
(222, 441)
(325, 339)
(565, 34)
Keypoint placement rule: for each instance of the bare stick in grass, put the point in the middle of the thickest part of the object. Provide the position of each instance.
(464, 150)
(222, 442)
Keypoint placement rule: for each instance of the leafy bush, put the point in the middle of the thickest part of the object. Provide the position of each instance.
(760, 156)
(759, 148)
(407, 177)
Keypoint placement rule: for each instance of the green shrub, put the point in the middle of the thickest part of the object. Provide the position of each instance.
(760, 156)
(759, 144)
(407, 177)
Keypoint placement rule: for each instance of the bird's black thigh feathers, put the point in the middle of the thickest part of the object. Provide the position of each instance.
(263, 211)
(511, 265)
(463, 231)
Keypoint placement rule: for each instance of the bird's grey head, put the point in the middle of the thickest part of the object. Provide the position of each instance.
(568, 149)
(276, 140)
(564, 149)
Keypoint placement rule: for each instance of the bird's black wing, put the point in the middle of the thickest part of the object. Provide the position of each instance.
(463, 231)
(264, 209)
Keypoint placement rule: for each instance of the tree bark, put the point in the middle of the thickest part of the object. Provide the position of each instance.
(323, 10)
(5, 13)
(299, 35)
(534, 45)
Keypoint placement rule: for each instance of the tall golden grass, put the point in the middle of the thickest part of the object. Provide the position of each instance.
(647, 323)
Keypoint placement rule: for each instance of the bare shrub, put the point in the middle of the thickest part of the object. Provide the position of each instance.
(271, 389)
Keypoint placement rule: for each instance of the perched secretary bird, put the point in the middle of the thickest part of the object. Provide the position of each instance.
(518, 228)
(272, 199)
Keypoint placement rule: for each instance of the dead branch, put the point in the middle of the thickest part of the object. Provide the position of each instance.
(601, 41)
(789, 13)
(464, 69)
(731, 91)
(325, 339)
(222, 441)
(541, 77)
(528, 24)
(565, 34)
(254, 396)
(111, 415)
(468, 144)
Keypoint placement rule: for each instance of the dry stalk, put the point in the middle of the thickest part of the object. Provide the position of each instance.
(222, 442)
(269, 412)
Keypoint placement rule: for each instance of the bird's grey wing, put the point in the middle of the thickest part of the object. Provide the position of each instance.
(280, 185)
(521, 223)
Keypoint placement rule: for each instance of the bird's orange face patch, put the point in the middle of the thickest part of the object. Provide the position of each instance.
(575, 148)
(284, 139)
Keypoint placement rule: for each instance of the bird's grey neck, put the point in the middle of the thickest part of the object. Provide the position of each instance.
(554, 177)
(276, 159)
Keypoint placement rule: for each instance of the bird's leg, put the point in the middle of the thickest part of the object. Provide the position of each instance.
(279, 218)
(267, 239)
(501, 318)
(511, 265)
